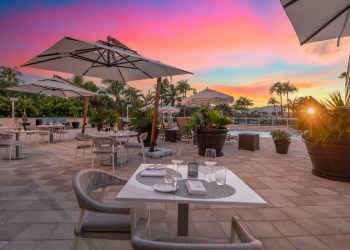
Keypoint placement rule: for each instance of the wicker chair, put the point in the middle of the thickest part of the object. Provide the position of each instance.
(113, 220)
(139, 240)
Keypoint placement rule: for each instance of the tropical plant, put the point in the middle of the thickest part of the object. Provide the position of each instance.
(273, 101)
(112, 118)
(74, 111)
(142, 120)
(288, 88)
(183, 87)
(98, 117)
(116, 89)
(244, 103)
(278, 89)
(280, 135)
(323, 122)
(206, 118)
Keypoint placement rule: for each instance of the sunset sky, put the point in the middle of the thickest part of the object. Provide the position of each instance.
(240, 47)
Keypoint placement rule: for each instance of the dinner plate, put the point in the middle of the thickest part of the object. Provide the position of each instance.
(164, 187)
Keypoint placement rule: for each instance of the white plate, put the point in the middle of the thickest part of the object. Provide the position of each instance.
(164, 187)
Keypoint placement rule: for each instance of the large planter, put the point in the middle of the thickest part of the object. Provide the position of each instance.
(282, 146)
(75, 125)
(211, 139)
(330, 161)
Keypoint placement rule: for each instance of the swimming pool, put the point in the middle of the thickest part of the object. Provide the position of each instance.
(262, 133)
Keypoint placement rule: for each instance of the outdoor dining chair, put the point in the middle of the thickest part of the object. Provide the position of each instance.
(102, 219)
(84, 142)
(140, 240)
(136, 146)
(8, 141)
(104, 146)
(45, 131)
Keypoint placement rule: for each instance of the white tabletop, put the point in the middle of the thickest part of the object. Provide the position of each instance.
(136, 191)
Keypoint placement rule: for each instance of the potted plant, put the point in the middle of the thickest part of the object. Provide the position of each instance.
(141, 120)
(282, 140)
(98, 118)
(112, 118)
(325, 129)
(209, 131)
(74, 111)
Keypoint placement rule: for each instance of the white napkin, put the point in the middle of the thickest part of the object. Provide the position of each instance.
(195, 187)
(154, 172)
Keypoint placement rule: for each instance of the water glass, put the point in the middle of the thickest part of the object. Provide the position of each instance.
(210, 161)
(177, 160)
(220, 175)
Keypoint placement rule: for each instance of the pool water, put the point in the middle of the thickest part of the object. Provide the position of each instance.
(262, 133)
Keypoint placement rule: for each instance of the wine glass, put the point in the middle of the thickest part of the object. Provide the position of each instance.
(176, 160)
(210, 161)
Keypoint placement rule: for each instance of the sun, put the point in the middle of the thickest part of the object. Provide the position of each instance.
(310, 111)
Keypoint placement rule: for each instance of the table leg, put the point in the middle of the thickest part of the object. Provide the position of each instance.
(51, 137)
(17, 147)
(182, 219)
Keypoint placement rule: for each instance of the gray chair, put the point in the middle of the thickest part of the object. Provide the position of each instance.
(104, 146)
(139, 240)
(113, 220)
(136, 146)
(45, 131)
(84, 142)
(8, 141)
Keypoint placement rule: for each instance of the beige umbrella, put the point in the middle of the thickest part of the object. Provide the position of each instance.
(207, 96)
(108, 60)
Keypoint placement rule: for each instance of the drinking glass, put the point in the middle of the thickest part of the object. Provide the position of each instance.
(210, 161)
(220, 175)
(176, 160)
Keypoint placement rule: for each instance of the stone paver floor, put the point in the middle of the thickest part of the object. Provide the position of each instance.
(38, 207)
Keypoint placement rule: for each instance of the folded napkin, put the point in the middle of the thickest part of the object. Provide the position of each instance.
(154, 172)
(154, 167)
(195, 187)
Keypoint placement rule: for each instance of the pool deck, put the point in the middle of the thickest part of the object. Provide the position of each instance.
(38, 208)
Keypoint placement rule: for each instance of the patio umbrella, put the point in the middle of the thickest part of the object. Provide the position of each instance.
(207, 96)
(55, 87)
(319, 20)
(168, 110)
(108, 60)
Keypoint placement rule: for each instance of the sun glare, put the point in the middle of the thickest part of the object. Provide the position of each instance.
(310, 111)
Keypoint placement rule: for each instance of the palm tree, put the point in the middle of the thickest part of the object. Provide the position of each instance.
(11, 74)
(116, 89)
(91, 86)
(132, 95)
(245, 103)
(172, 95)
(183, 87)
(273, 101)
(148, 98)
(293, 104)
(163, 90)
(77, 80)
(278, 88)
(288, 88)
(342, 75)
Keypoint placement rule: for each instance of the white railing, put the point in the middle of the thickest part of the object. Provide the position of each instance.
(245, 121)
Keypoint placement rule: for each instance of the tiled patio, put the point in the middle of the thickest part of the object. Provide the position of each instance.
(38, 207)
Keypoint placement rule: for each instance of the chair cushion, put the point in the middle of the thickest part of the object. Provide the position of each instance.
(84, 145)
(105, 150)
(102, 222)
(193, 240)
(132, 145)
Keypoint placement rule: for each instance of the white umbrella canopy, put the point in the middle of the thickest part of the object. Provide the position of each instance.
(318, 20)
(169, 109)
(207, 96)
(100, 59)
(52, 87)
(107, 60)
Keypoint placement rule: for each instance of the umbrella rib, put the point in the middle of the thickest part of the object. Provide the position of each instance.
(325, 25)
(120, 73)
(47, 60)
(290, 3)
(92, 65)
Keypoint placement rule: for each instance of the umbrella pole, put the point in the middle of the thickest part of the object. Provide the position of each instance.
(85, 113)
(155, 116)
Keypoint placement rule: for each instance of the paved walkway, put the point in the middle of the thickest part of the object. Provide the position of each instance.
(38, 207)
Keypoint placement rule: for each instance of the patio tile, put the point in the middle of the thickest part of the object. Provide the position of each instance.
(289, 228)
(209, 230)
(37, 231)
(262, 229)
(250, 213)
(278, 244)
(9, 231)
(316, 226)
(55, 245)
(273, 214)
(63, 231)
(307, 243)
(19, 245)
(336, 241)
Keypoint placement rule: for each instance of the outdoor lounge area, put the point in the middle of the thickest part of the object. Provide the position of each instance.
(39, 208)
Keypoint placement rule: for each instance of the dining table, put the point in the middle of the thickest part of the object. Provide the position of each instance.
(141, 188)
(53, 128)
